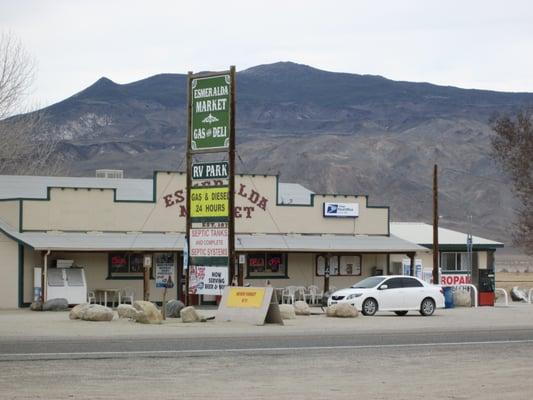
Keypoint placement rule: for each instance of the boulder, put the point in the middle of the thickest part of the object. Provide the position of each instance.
(147, 313)
(55, 305)
(76, 311)
(518, 294)
(345, 310)
(189, 314)
(173, 308)
(36, 306)
(126, 311)
(96, 312)
(301, 308)
(461, 298)
(331, 310)
(287, 311)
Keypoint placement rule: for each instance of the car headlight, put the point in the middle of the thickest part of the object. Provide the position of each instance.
(353, 296)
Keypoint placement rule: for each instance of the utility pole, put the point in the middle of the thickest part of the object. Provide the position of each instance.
(435, 228)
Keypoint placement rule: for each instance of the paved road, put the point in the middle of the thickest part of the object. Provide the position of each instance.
(464, 354)
(174, 347)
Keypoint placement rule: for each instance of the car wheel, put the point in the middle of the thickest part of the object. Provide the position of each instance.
(370, 306)
(400, 313)
(427, 307)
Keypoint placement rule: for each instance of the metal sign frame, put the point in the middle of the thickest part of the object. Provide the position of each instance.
(199, 150)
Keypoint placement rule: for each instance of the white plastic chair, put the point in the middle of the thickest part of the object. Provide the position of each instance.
(315, 294)
(289, 293)
(301, 293)
(91, 297)
(127, 294)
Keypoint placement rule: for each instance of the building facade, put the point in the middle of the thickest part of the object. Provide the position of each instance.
(110, 226)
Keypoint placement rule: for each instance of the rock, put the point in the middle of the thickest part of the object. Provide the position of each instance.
(301, 308)
(345, 310)
(173, 308)
(36, 306)
(331, 310)
(96, 312)
(518, 294)
(461, 298)
(126, 311)
(147, 313)
(55, 305)
(76, 311)
(189, 314)
(287, 311)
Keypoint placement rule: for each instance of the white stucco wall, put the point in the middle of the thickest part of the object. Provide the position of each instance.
(8, 272)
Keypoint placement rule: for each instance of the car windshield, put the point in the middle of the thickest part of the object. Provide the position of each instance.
(368, 282)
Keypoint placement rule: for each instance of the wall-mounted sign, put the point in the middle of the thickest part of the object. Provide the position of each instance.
(208, 243)
(213, 170)
(207, 280)
(164, 270)
(210, 112)
(341, 210)
(209, 202)
(242, 297)
(455, 279)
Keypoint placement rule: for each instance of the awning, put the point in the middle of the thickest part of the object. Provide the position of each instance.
(137, 241)
(326, 243)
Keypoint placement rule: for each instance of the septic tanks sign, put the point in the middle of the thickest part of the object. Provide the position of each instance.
(210, 112)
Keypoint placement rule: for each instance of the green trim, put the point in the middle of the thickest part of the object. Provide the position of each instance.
(21, 275)
(462, 247)
(213, 261)
(21, 215)
(267, 277)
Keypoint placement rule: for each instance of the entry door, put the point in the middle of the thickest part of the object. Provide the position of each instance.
(392, 297)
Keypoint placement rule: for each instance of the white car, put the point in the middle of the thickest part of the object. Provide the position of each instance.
(397, 293)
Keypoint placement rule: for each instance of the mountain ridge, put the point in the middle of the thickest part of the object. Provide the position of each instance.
(330, 131)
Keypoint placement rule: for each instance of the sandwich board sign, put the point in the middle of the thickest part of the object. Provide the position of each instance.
(253, 305)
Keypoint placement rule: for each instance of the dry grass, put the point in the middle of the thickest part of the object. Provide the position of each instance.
(507, 280)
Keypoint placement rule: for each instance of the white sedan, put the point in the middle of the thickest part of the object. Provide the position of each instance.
(397, 293)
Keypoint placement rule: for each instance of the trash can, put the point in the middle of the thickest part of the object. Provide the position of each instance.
(448, 297)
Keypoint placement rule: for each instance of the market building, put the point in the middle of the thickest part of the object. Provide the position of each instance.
(110, 227)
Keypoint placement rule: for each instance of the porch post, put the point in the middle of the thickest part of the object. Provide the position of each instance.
(412, 258)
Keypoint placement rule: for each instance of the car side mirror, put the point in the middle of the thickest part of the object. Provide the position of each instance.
(383, 287)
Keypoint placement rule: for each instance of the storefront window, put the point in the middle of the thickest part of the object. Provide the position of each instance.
(126, 265)
(452, 261)
(345, 265)
(266, 265)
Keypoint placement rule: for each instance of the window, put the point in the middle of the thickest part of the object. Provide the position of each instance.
(410, 282)
(266, 265)
(344, 265)
(393, 283)
(451, 261)
(126, 266)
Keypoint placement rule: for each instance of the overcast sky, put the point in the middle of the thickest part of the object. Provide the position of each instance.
(473, 44)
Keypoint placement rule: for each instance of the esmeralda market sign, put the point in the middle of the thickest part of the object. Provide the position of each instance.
(210, 108)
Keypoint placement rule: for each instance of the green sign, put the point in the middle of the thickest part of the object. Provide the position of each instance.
(210, 108)
(212, 170)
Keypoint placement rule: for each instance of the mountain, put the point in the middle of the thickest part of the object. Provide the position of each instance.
(332, 132)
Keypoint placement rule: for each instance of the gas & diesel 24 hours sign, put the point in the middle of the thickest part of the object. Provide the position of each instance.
(210, 105)
(209, 202)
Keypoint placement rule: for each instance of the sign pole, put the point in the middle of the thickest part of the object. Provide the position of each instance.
(435, 227)
(188, 200)
(231, 183)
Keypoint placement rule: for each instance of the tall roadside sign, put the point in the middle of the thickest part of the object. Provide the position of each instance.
(210, 184)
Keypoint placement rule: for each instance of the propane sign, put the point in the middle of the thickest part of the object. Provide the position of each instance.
(455, 279)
